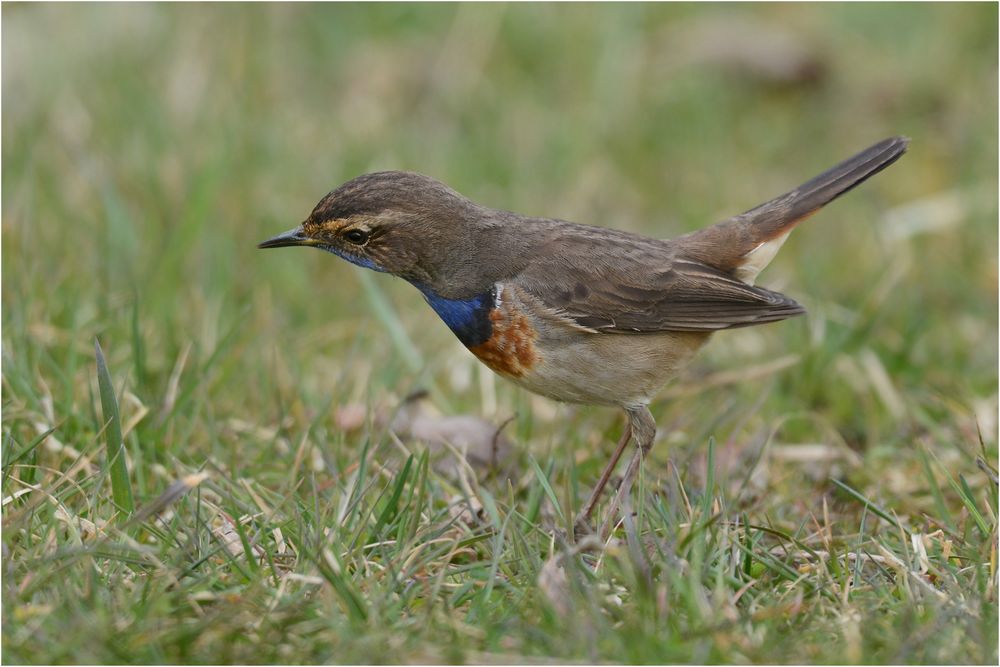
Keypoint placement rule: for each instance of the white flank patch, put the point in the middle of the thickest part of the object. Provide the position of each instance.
(757, 259)
(499, 289)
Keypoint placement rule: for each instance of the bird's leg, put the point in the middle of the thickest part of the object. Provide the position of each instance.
(643, 428)
(584, 517)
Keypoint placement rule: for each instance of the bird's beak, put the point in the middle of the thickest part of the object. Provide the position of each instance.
(291, 237)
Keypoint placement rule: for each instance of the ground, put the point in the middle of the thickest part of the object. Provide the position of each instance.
(822, 490)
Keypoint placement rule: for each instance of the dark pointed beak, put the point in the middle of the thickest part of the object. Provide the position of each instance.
(291, 237)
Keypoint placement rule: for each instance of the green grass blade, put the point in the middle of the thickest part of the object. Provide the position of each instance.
(121, 488)
(389, 511)
(332, 570)
(27, 450)
(544, 481)
(875, 509)
(534, 504)
(965, 493)
(939, 503)
(138, 349)
(706, 500)
(419, 488)
(961, 488)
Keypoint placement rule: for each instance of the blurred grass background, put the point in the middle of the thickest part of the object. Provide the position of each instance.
(147, 148)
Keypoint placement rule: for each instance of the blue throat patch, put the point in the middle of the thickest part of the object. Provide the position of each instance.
(469, 319)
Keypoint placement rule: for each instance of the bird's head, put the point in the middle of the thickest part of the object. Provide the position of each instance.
(398, 222)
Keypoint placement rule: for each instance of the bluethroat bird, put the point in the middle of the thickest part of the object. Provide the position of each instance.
(577, 313)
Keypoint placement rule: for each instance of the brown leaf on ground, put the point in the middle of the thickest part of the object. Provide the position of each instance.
(554, 586)
(481, 442)
(350, 417)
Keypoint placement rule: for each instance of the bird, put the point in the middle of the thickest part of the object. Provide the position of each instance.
(577, 313)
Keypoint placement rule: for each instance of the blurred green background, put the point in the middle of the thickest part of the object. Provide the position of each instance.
(148, 148)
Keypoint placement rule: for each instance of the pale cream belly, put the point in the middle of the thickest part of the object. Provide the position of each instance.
(609, 368)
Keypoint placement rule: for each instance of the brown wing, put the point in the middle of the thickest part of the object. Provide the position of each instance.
(640, 286)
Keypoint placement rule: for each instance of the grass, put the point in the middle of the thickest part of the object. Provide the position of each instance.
(823, 490)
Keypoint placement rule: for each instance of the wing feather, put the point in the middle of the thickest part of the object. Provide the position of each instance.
(648, 289)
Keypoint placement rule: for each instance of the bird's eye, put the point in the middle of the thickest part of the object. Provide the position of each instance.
(356, 236)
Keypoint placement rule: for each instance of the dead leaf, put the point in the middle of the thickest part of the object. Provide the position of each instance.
(481, 442)
(554, 585)
(350, 417)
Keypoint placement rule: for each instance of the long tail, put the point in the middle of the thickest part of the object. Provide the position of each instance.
(744, 244)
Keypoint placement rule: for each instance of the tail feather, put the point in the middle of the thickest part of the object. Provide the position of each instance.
(774, 216)
(745, 243)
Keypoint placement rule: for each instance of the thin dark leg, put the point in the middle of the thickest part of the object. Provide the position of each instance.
(643, 430)
(584, 517)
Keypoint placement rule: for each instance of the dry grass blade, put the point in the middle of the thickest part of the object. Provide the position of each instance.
(174, 492)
